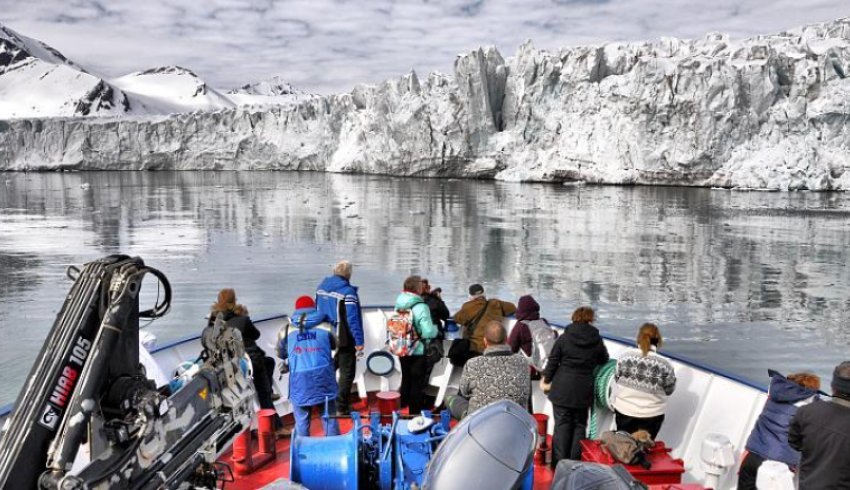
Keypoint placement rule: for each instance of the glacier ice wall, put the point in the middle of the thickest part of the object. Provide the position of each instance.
(769, 112)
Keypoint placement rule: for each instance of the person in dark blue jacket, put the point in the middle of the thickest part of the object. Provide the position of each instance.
(337, 299)
(769, 438)
(306, 346)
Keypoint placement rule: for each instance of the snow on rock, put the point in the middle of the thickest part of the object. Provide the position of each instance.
(274, 91)
(770, 112)
(171, 89)
(36, 81)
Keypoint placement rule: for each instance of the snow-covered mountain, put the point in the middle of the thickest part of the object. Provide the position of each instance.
(769, 112)
(274, 91)
(172, 89)
(37, 81)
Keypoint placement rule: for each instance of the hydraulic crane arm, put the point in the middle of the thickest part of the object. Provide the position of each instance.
(87, 386)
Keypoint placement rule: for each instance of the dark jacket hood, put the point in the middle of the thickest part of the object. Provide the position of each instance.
(527, 309)
(583, 334)
(785, 391)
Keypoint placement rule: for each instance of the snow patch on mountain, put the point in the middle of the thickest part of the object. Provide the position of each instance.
(171, 89)
(274, 91)
(37, 80)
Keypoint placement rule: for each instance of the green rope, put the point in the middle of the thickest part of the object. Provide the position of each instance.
(604, 374)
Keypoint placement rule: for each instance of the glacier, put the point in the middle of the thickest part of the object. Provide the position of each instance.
(769, 112)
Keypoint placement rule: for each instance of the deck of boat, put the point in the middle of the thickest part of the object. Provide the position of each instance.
(279, 468)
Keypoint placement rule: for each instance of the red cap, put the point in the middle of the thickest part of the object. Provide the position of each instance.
(304, 302)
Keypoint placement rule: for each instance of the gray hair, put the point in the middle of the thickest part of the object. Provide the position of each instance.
(343, 268)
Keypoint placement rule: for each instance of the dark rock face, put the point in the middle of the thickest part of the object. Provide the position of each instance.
(10, 54)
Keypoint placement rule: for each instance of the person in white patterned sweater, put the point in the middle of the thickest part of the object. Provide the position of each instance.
(644, 380)
(498, 374)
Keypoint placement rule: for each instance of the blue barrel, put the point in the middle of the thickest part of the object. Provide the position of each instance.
(451, 326)
(325, 463)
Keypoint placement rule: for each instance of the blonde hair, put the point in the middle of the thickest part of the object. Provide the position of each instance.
(583, 314)
(343, 268)
(227, 302)
(806, 380)
(648, 335)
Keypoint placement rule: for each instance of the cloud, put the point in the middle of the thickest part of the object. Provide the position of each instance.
(330, 45)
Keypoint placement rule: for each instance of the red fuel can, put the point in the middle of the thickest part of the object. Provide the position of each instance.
(665, 469)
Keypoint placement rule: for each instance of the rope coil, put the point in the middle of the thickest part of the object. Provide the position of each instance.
(604, 378)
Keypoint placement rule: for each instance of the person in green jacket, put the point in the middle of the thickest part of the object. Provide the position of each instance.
(414, 367)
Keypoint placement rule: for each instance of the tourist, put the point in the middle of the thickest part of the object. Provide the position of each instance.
(236, 316)
(414, 366)
(497, 375)
(821, 432)
(439, 311)
(528, 318)
(528, 329)
(334, 295)
(306, 346)
(480, 311)
(769, 438)
(568, 379)
(644, 380)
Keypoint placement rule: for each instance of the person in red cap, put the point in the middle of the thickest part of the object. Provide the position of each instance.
(305, 344)
(304, 302)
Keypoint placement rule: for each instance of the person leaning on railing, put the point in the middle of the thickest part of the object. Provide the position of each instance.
(821, 432)
(236, 316)
(768, 440)
(644, 380)
(568, 378)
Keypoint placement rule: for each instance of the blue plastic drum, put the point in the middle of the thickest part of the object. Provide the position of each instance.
(451, 326)
(325, 463)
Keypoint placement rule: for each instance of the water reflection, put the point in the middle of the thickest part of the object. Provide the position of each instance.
(749, 273)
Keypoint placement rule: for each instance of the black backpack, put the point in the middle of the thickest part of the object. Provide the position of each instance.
(579, 475)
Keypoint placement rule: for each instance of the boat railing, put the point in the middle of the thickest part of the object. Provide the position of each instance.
(6, 409)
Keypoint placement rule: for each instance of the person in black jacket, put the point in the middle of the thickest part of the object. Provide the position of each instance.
(439, 311)
(821, 432)
(568, 378)
(236, 316)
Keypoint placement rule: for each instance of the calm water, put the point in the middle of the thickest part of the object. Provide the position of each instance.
(744, 281)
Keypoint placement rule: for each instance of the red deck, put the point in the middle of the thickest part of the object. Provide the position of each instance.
(279, 468)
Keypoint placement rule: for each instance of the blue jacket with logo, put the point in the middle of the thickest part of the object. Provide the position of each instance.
(769, 438)
(312, 377)
(334, 295)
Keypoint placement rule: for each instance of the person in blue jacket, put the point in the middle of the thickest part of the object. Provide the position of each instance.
(338, 300)
(769, 438)
(306, 347)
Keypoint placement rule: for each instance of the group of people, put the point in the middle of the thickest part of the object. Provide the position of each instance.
(808, 435)
(499, 366)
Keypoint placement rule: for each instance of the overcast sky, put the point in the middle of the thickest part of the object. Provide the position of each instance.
(330, 45)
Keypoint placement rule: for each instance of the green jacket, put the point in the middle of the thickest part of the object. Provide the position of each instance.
(421, 318)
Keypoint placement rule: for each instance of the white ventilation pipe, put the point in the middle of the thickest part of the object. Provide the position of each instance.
(718, 455)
